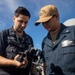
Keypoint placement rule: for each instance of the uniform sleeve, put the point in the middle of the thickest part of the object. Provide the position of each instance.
(1, 44)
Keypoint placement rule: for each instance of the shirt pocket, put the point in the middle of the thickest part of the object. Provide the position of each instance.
(67, 43)
(68, 47)
(68, 51)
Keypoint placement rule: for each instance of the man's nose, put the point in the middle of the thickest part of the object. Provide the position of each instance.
(23, 24)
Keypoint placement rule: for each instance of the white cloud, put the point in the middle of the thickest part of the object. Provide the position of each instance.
(7, 8)
(11, 4)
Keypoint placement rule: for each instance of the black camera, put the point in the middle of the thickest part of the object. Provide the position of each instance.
(31, 54)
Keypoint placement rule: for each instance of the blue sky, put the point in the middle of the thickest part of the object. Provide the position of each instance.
(7, 7)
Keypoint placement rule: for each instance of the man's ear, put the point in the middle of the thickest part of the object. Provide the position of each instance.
(57, 16)
(13, 17)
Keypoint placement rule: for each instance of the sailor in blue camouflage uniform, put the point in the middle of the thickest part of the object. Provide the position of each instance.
(59, 44)
(13, 41)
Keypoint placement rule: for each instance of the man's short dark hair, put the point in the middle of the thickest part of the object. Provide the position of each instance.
(23, 11)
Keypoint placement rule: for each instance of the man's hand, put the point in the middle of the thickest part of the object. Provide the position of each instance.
(22, 64)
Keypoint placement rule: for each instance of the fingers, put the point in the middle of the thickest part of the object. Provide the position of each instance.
(16, 56)
(24, 63)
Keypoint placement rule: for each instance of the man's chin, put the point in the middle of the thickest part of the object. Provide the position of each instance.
(19, 31)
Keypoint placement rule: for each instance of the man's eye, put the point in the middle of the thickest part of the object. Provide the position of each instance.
(20, 21)
(26, 22)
